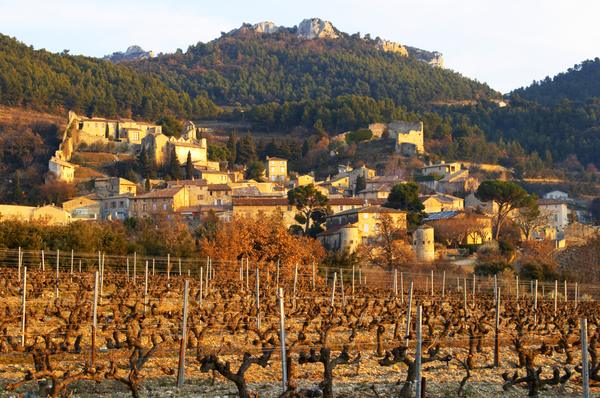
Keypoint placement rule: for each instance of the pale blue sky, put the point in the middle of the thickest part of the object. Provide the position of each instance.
(506, 44)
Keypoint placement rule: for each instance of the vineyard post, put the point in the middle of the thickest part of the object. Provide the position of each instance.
(134, 265)
(24, 304)
(342, 288)
(465, 293)
(179, 266)
(517, 288)
(418, 352)
(497, 327)
(206, 290)
(585, 369)
(576, 294)
(426, 285)
(95, 316)
(282, 338)
(401, 288)
(101, 281)
(99, 261)
(80, 266)
(474, 283)
(211, 270)
(443, 282)
(496, 286)
(168, 266)
(189, 273)
(295, 280)
(277, 277)
(332, 292)
(257, 300)
(201, 283)
(20, 260)
(43, 265)
(313, 275)
(241, 269)
(183, 336)
(360, 275)
(352, 281)
(410, 294)
(535, 303)
(71, 261)
(326, 276)
(395, 282)
(152, 267)
(565, 291)
(431, 283)
(146, 287)
(457, 284)
(247, 275)
(555, 295)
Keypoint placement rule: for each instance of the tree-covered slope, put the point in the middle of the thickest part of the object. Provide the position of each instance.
(57, 82)
(256, 68)
(577, 84)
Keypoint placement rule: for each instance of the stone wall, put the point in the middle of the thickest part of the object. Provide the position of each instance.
(377, 129)
(408, 137)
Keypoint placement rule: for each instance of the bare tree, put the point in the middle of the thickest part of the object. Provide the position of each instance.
(530, 219)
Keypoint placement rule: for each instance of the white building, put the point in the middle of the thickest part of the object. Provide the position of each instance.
(556, 195)
(559, 211)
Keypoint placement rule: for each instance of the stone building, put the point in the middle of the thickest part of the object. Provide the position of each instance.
(90, 130)
(423, 243)
(159, 148)
(165, 201)
(116, 207)
(63, 170)
(51, 214)
(352, 227)
(440, 202)
(82, 209)
(111, 186)
(276, 169)
(408, 137)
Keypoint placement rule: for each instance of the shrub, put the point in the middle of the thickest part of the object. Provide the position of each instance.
(493, 268)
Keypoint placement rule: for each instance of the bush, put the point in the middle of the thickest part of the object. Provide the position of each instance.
(359, 135)
(543, 272)
(493, 268)
(98, 146)
(82, 146)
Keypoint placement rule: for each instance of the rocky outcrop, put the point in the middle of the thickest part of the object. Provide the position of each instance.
(385, 45)
(316, 28)
(132, 53)
(432, 58)
(265, 27)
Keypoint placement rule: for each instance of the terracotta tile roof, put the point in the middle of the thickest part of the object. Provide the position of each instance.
(553, 201)
(284, 201)
(219, 187)
(367, 209)
(161, 193)
(275, 158)
(199, 182)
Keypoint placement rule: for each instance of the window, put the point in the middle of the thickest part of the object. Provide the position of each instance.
(366, 228)
(556, 217)
(341, 208)
(282, 169)
(376, 215)
(121, 204)
(154, 207)
(377, 228)
(135, 136)
(165, 206)
(365, 215)
(272, 169)
(106, 205)
(200, 197)
(143, 207)
(289, 208)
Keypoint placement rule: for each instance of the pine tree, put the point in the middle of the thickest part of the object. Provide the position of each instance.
(147, 185)
(285, 151)
(245, 150)
(175, 166)
(232, 146)
(271, 149)
(261, 149)
(189, 167)
(305, 148)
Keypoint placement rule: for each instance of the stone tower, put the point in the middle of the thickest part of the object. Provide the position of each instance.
(423, 243)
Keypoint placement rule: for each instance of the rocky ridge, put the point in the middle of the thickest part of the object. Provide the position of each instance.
(316, 28)
(133, 52)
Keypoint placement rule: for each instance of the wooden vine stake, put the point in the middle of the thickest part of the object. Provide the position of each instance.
(181, 367)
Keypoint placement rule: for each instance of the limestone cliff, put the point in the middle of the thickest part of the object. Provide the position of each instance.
(132, 53)
(265, 27)
(316, 28)
(385, 45)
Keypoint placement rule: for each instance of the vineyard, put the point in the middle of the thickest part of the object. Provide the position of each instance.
(76, 324)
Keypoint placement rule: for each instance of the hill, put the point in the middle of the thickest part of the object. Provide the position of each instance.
(249, 67)
(56, 83)
(577, 84)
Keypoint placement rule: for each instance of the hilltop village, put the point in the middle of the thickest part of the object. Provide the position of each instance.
(354, 212)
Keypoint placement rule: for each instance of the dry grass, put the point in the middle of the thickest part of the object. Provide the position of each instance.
(86, 172)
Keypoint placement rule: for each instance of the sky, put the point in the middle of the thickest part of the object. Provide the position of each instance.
(506, 44)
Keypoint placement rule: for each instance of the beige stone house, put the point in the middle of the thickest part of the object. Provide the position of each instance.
(83, 209)
(164, 201)
(276, 169)
(441, 202)
(63, 170)
(111, 186)
(50, 213)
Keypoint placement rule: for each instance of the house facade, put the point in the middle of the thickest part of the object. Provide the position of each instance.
(276, 169)
(166, 201)
(559, 213)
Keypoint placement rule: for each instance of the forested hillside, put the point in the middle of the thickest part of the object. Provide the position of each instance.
(45, 81)
(253, 68)
(577, 84)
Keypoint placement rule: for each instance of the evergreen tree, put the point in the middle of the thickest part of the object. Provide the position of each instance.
(245, 150)
(285, 151)
(17, 193)
(175, 166)
(189, 167)
(147, 185)
(272, 149)
(232, 146)
(361, 184)
(548, 160)
(144, 166)
(261, 149)
(305, 148)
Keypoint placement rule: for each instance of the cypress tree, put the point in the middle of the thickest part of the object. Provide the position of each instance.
(144, 163)
(305, 148)
(175, 166)
(245, 150)
(189, 166)
(17, 193)
(232, 146)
